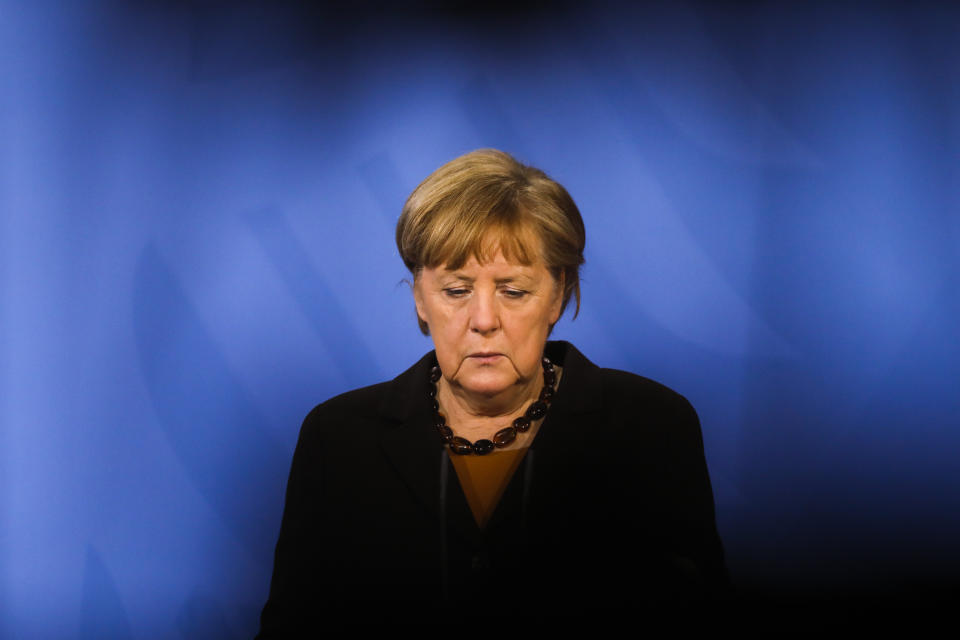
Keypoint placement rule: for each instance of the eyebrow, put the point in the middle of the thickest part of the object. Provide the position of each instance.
(469, 280)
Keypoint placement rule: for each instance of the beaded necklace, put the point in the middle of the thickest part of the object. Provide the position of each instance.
(503, 437)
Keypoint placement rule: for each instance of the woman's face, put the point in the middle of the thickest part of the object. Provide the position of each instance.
(489, 322)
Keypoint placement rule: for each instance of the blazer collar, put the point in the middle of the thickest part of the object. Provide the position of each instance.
(406, 396)
(408, 438)
(580, 392)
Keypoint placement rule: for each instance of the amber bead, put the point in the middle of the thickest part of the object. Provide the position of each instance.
(435, 374)
(446, 433)
(549, 378)
(546, 394)
(505, 436)
(460, 445)
(439, 420)
(482, 447)
(522, 424)
(537, 410)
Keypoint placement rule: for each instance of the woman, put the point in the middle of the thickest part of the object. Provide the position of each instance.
(502, 471)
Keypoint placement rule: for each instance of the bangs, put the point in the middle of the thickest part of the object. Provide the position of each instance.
(482, 238)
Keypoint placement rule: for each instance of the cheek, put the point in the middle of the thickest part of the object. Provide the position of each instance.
(530, 332)
(446, 317)
(539, 320)
(448, 327)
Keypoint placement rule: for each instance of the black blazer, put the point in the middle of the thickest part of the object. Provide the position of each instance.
(611, 507)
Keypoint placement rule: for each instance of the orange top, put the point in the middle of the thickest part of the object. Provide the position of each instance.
(484, 479)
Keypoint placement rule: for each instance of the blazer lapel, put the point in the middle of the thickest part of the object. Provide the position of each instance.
(579, 394)
(414, 449)
(408, 439)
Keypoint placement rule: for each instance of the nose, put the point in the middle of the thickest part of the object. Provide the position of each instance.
(484, 314)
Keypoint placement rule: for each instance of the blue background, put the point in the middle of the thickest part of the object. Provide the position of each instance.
(198, 203)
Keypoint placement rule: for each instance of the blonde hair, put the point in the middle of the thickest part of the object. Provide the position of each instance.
(484, 201)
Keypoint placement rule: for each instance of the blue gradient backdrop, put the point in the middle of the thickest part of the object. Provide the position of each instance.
(198, 202)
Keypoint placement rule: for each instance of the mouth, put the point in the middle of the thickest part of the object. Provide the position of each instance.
(485, 356)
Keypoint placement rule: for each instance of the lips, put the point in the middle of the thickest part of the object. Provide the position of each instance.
(485, 357)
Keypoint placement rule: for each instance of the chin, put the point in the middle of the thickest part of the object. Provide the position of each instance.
(487, 385)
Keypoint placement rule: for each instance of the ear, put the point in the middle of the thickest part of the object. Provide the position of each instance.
(557, 301)
(418, 298)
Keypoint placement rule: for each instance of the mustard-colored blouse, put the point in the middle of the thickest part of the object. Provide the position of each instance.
(485, 478)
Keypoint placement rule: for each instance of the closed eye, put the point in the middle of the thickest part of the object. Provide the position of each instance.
(515, 293)
(455, 292)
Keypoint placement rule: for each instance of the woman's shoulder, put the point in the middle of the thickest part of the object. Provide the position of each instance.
(660, 408)
(376, 403)
(342, 418)
(615, 386)
(361, 401)
(640, 418)
(629, 386)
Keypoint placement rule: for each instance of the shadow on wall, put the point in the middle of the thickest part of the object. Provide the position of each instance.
(213, 427)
